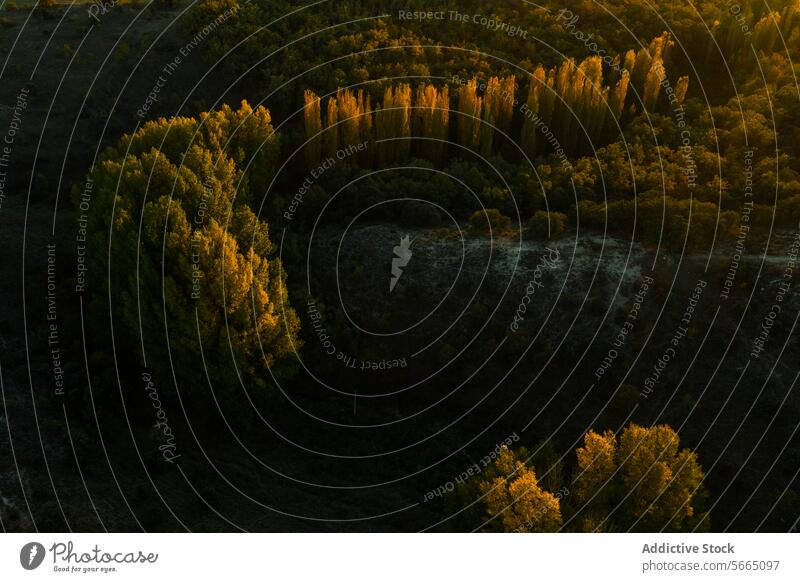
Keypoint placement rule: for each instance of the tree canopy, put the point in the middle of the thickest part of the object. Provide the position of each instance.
(190, 271)
(642, 481)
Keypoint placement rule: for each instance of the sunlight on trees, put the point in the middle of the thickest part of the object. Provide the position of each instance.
(515, 497)
(186, 249)
(642, 481)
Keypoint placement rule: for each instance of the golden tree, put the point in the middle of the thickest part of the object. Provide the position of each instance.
(431, 120)
(312, 116)
(643, 482)
(470, 107)
(402, 121)
(513, 494)
(619, 96)
(384, 128)
(349, 117)
(530, 127)
(681, 88)
(330, 141)
(499, 100)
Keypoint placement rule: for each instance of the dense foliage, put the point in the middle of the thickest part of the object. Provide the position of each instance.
(642, 481)
(622, 137)
(192, 276)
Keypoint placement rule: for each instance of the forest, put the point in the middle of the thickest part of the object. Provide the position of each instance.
(360, 265)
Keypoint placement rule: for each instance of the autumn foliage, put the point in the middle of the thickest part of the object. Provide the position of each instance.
(642, 481)
(571, 108)
(513, 495)
(174, 238)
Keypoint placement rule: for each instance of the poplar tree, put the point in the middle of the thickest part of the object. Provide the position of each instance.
(470, 106)
(367, 128)
(681, 88)
(487, 133)
(385, 128)
(499, 100)
(618, 98)
(312, 115)
(402, 121)
(432, 115)
(765, 32)
(330, 141)
(349, 120)
(548, 101)
(441, 123)
(530, 129)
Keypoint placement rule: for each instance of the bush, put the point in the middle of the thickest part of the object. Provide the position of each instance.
(547, 226)
(489, 221)
(420, 214)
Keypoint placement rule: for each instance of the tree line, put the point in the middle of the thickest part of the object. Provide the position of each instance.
(571, 108)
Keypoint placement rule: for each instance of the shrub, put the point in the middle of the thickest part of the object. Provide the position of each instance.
(489, 220)
(547, 225)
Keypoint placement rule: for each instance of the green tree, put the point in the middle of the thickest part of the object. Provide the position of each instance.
(547, 225)
(196, 284)
(489, 220)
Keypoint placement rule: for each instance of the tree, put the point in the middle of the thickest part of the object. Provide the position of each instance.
(547, 225)
(312, 117)
(402, 121)
(330, 139)
(512, 493)
(538, 85)
(469, 121)
(489, 220)
(350, 115)
(431, 120)
(499, 100)
(393, 124)
(196, 283)
(618, 97)
(641, 482)
(505, 494)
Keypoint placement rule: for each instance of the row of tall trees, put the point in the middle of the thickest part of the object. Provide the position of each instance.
(350, 120)
(568, 109)
(568, 106)
(393, 119)
(737, 37)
